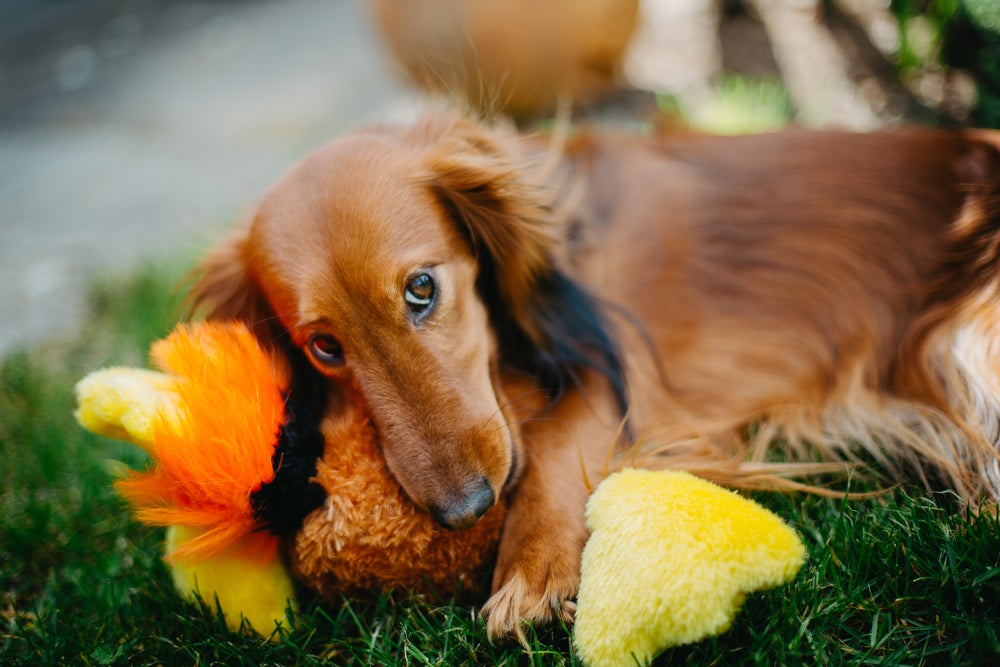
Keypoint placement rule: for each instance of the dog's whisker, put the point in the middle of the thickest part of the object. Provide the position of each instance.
(527, 420)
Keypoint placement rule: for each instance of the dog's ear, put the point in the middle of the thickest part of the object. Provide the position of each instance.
(222, 287)
(547, 325)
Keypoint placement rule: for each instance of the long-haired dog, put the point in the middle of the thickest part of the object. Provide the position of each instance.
(521, 320)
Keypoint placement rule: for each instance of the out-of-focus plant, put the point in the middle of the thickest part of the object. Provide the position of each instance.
(973, 43)
(937, 37)
(743, 105)
(922, 29)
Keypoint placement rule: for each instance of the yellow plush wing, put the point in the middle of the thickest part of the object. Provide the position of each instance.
(126, 403)
(669, 561)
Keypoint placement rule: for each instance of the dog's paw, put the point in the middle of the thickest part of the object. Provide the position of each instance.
(522, 601)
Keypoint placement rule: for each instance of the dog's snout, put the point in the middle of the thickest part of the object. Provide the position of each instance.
(466, 509)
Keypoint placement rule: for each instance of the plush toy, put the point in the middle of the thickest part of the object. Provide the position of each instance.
(214, 422)
(199, 489)
(669, 559)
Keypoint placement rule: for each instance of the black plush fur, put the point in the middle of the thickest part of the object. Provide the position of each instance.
(281, 505)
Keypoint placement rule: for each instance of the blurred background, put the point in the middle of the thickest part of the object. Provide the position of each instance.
(136, 131)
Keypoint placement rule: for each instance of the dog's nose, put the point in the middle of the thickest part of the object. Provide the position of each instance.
(466, 510)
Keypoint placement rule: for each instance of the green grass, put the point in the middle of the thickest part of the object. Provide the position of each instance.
(902, 580)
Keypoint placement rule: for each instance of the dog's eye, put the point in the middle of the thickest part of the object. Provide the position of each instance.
(326, 350)
(419, 293)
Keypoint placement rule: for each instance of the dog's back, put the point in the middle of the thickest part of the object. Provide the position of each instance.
(840, 284)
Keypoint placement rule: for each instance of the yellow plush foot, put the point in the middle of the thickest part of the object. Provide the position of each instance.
(669, 561)
(246, 579)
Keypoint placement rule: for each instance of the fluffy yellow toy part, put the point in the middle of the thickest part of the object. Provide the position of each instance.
(242, 580)
(125, 403)
(669, 561)
(202, 493)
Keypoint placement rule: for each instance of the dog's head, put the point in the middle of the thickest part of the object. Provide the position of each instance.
(405, 264)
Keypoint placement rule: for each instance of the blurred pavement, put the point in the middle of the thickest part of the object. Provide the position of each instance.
(141, 130)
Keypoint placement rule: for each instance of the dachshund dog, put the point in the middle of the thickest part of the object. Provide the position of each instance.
(521, 319)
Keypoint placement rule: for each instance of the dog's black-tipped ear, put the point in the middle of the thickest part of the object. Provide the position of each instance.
(547, 325)
(507, 220)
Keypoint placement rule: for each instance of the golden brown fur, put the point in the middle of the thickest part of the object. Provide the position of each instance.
(518, 56)
(837, 290)
(369, 539)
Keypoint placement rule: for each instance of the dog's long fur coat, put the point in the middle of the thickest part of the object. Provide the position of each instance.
(514, 321)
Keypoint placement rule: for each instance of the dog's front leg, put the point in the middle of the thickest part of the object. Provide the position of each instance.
(538, 565)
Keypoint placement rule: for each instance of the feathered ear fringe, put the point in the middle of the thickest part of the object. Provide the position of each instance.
(547, 325)
(230, 399)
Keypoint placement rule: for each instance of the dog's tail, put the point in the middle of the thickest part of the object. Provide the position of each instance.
(951, 356)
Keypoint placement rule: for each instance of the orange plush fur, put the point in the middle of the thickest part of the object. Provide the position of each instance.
(218, 450)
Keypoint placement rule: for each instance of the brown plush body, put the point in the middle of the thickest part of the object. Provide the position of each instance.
(370, 537)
